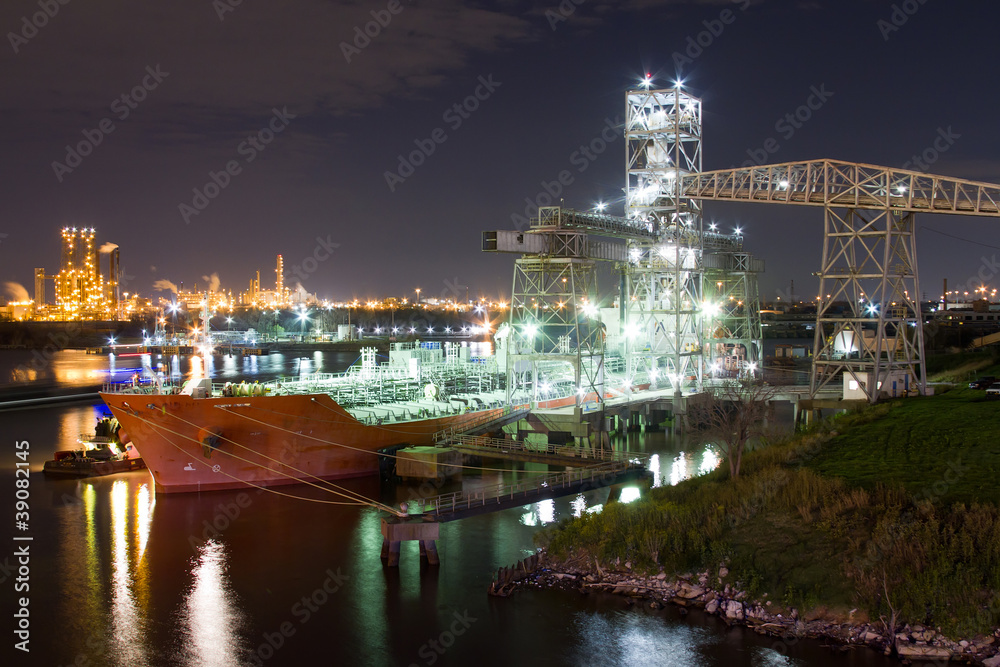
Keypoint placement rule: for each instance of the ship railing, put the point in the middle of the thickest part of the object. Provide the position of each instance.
(145, 386)
(470, 498)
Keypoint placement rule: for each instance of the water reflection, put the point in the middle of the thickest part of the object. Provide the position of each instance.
(126, 621)
(684, 465)
(622, 638)
(75, 368)
(210, 619)
(540, 513)
(768, 657)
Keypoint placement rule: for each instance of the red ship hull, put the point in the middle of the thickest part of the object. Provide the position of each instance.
(200, 444)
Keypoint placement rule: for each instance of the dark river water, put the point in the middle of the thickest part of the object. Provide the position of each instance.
(120, 576)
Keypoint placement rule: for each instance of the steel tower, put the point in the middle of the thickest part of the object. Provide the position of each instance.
(662, 282)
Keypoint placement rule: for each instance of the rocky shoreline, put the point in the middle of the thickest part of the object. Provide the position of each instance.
(707, 591)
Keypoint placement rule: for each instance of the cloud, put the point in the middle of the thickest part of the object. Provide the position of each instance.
(165, 285)
(241, 67)
(16, 292)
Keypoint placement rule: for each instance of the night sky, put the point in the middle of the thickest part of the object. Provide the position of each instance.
(549, 78)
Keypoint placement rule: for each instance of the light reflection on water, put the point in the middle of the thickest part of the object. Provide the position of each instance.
(210, 618)
(624, 638)
(75, 368)
(127, 620)
(684, 465)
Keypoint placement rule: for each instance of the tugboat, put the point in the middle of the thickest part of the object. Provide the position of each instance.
(100, 454)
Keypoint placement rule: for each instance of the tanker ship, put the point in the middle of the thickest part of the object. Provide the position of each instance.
(204, 436)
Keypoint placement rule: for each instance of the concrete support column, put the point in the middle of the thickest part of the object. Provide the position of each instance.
(428, 550)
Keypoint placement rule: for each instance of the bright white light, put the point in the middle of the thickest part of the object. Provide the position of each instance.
(530, 330)
(629, 494)
(601, 206)
(646, 82)
(738, 231)
(713, 227)
(413, 330)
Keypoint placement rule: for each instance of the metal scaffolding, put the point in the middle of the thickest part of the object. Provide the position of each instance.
(662, 281)
(868, 322)
(733, 331)
(555, 343)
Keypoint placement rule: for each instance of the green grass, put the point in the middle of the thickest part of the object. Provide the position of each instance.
(945, 447)
(830, 519)
(963, 366)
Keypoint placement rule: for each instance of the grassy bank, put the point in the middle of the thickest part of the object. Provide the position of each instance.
(894, 499)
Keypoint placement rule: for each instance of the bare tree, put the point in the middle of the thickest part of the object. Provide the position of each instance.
(731, 415)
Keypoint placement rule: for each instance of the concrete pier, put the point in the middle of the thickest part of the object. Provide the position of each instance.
(397, 531)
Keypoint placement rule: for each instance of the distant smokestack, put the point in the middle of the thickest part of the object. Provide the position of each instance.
(114, 273)
(944, 294)
(39, 288)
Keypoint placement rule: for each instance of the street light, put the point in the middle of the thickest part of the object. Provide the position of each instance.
(418, 296)
(303, 318)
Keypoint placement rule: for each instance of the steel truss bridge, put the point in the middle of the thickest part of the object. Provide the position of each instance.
(869, 257)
